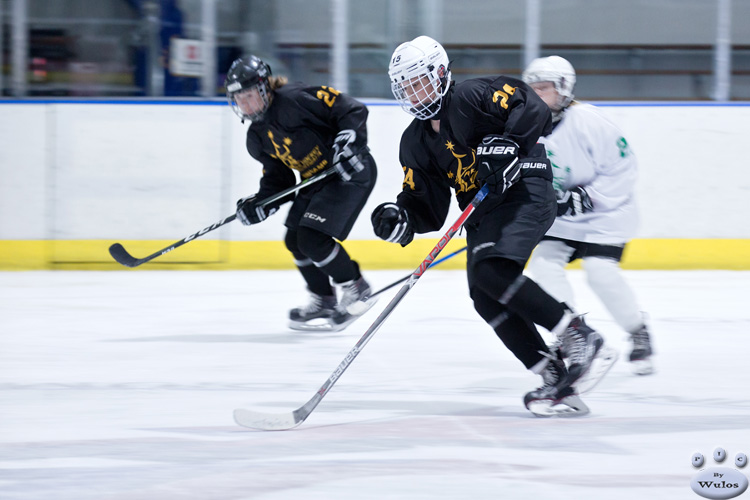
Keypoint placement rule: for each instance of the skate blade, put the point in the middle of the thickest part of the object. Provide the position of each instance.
(359, 308)
(570, 406)
(602, 363)
(642, 366)
(337, 327)
(325, 326)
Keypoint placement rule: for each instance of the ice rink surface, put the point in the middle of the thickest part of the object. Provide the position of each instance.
(121, 386)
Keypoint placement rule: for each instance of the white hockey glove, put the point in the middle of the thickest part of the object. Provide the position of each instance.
(250, 212)
(575, 201)
(345, 161)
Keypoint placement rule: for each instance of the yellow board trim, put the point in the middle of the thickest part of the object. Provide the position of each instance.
(25, 255)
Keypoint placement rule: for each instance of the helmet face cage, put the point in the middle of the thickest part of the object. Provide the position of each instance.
(420, 76)
(247, 79)
(553, 69)
(262, 95)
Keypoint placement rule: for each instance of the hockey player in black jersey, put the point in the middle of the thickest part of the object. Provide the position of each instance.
(485, 131)
(308, 129)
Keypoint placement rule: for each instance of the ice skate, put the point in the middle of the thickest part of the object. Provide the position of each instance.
(640, 356)
(555, 398)
(605, 358)
(320, 314)
(603, 361)
(356, 297)
(580, 344)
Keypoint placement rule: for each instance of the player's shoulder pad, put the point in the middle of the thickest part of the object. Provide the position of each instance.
(584, 113)
(295, 91)
(470, 89)
(583, 108)
(501, 81)
(508, 88)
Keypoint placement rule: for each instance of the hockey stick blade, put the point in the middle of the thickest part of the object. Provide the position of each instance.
(266, 421)
(118, 252)
(285, 421)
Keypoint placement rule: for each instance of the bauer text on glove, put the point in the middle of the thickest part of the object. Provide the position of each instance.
(497, 163)
(391, 223)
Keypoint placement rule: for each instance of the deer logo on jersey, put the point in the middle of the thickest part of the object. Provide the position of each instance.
(284, 155)
(465, 176)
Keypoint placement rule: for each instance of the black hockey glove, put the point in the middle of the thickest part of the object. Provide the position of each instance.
(391, 223)
(497, 158)
(250, 212)
(576, 201)
(345, 161)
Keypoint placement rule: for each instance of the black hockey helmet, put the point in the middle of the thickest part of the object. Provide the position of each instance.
(245, 74)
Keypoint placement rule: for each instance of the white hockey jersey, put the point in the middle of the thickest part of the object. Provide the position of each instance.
(586, 149)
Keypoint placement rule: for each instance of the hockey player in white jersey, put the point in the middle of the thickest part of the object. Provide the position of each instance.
(594, 175)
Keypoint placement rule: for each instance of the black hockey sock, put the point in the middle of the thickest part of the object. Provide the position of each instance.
(502, 280)
(329, 257)
(317, 281)
(536, 305)
(297, 241)
(519, 336)
(340, 266)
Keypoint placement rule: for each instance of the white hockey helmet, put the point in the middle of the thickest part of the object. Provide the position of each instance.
(420, 76)
(553, 69)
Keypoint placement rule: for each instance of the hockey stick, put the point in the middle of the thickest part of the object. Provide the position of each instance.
(122, 256)
(284, 421)
(407, 277)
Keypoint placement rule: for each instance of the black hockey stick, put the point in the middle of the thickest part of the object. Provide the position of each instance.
(122, 256)
(407, 277)
(284, 421)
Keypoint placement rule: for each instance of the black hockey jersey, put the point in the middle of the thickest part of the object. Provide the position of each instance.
(297, 133)
(434, 163)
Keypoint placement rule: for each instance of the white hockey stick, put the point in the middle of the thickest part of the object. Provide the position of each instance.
(285, 421)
